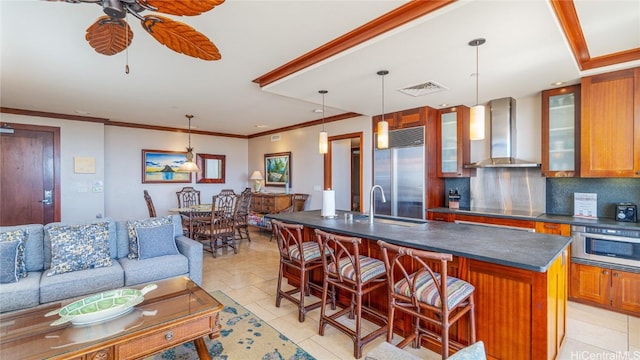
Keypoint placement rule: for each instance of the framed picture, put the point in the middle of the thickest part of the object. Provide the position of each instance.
(212, 169)
(161, 166)
(277, 169)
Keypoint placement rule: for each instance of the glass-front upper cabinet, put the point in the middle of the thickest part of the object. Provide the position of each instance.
(560, 116)
(453, 141)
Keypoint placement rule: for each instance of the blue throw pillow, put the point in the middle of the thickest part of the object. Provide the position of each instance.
(132, 225)
(9, 261)
(79, 247)
(156, 241)
(18, 235)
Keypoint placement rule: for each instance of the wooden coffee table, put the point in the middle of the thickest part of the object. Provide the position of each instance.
(178, 311)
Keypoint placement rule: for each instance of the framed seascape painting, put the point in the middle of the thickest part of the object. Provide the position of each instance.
(277, 169)
(161, 166)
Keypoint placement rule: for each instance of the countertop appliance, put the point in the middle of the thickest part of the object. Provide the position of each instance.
(616, 246)
(400, 171)
(626, 212)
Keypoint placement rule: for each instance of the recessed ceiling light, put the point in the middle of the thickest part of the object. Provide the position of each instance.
(557, 83)
(318, 111)
(443, 105)
(261, 126)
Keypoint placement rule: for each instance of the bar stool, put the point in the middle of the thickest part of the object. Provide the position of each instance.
(357, 275)
(295, 253)
(435, 298)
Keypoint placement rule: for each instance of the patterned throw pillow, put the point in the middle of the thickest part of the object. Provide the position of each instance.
(9, 261)
(20, 235)
(79, 247)
(142, 223)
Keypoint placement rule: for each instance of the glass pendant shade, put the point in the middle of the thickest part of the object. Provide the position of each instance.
(383, 134)
(323, 142)
(476, 123)
(189, 165)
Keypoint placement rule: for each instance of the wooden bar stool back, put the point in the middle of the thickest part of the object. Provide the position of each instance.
(303, 256)
(346, 270)
(433, 299)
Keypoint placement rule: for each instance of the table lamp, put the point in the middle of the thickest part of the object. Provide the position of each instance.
(257, 178)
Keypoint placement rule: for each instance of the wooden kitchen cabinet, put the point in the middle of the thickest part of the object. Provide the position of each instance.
(560, 136)
(605, 287)
(403, 119)
(553, 228)
(610, 124)
(453, 142)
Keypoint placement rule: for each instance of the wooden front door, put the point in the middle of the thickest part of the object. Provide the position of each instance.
(29, 175)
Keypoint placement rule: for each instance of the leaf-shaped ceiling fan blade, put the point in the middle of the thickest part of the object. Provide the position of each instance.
(109, 36)
(184, 7)
(180, 37)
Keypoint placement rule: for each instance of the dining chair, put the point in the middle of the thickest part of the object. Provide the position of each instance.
(150, 207)
(219, 229)
(227, 192)
(357, 275)
(187, 196)
(298, 203)
(434, 300)
(242, 214)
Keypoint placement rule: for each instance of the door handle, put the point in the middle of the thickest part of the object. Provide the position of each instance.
(48, 197)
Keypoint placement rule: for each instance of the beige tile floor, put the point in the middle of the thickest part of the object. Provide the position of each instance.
(250, 277)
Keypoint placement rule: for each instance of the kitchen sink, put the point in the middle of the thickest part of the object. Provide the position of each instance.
(391, 221)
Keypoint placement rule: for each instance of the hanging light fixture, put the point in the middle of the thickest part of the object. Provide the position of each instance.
(476, 122)
(383, 125)
(189, 165)
(323, 140)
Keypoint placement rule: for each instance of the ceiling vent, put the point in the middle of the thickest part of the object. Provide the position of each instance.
(426, 88)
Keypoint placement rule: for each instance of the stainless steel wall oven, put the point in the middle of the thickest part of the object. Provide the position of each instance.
(616, 246)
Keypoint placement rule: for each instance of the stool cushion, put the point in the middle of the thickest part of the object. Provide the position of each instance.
(370, 268)
(427, 291)
(310, 251)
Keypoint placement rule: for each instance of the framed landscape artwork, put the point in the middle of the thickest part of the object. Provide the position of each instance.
(277, 169)
(161, 166)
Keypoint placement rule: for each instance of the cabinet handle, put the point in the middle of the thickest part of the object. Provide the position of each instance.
(616, 274)
(605, 272)
(169, 335)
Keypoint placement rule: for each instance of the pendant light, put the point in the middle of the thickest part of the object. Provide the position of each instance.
(323, 139)
(383, 125)
(476, 122)
(189, 165)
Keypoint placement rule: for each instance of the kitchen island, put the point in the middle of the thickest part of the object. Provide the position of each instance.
(520, 277)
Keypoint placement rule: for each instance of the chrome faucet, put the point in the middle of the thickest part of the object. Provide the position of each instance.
(371, 200)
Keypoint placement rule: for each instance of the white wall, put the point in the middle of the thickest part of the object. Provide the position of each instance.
(81, 139)
(307, 166)
(123, 159)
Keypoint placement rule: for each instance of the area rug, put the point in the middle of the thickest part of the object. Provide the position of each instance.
(243, 336)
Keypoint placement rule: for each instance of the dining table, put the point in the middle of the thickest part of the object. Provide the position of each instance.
(193, 212)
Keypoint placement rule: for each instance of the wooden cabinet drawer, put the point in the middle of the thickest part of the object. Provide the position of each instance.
(164, 339)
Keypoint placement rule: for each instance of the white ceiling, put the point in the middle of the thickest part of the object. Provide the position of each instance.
(46, 64)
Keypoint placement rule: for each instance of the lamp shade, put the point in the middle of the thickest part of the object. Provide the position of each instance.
(188, 166)
(257, 175)
(476, 123)
(383, 134)
(323, 142)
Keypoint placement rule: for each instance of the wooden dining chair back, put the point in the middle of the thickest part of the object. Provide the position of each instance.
(150, 207)
(432, 298)
(242, 214)
(299, 201)
(188, 196)
(219, 230)
(301, 256)
(357, 275)
(224, 192)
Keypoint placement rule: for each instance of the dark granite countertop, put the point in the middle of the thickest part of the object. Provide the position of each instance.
(523, 215)
(515, 248)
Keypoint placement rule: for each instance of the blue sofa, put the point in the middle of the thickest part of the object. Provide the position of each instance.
(38, 288)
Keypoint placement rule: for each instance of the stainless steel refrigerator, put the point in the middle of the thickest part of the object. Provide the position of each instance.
(400, 171)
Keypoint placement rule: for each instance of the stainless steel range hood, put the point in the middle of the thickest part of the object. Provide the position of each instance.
(502, 137)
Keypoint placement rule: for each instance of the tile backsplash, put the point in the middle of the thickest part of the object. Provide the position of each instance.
(559, 193)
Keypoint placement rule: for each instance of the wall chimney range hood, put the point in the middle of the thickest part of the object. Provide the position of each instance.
(502, 137)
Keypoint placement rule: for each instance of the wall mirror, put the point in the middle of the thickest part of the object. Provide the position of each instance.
(212, 168)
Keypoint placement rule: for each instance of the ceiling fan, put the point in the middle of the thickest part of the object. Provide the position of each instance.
(111, 34)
